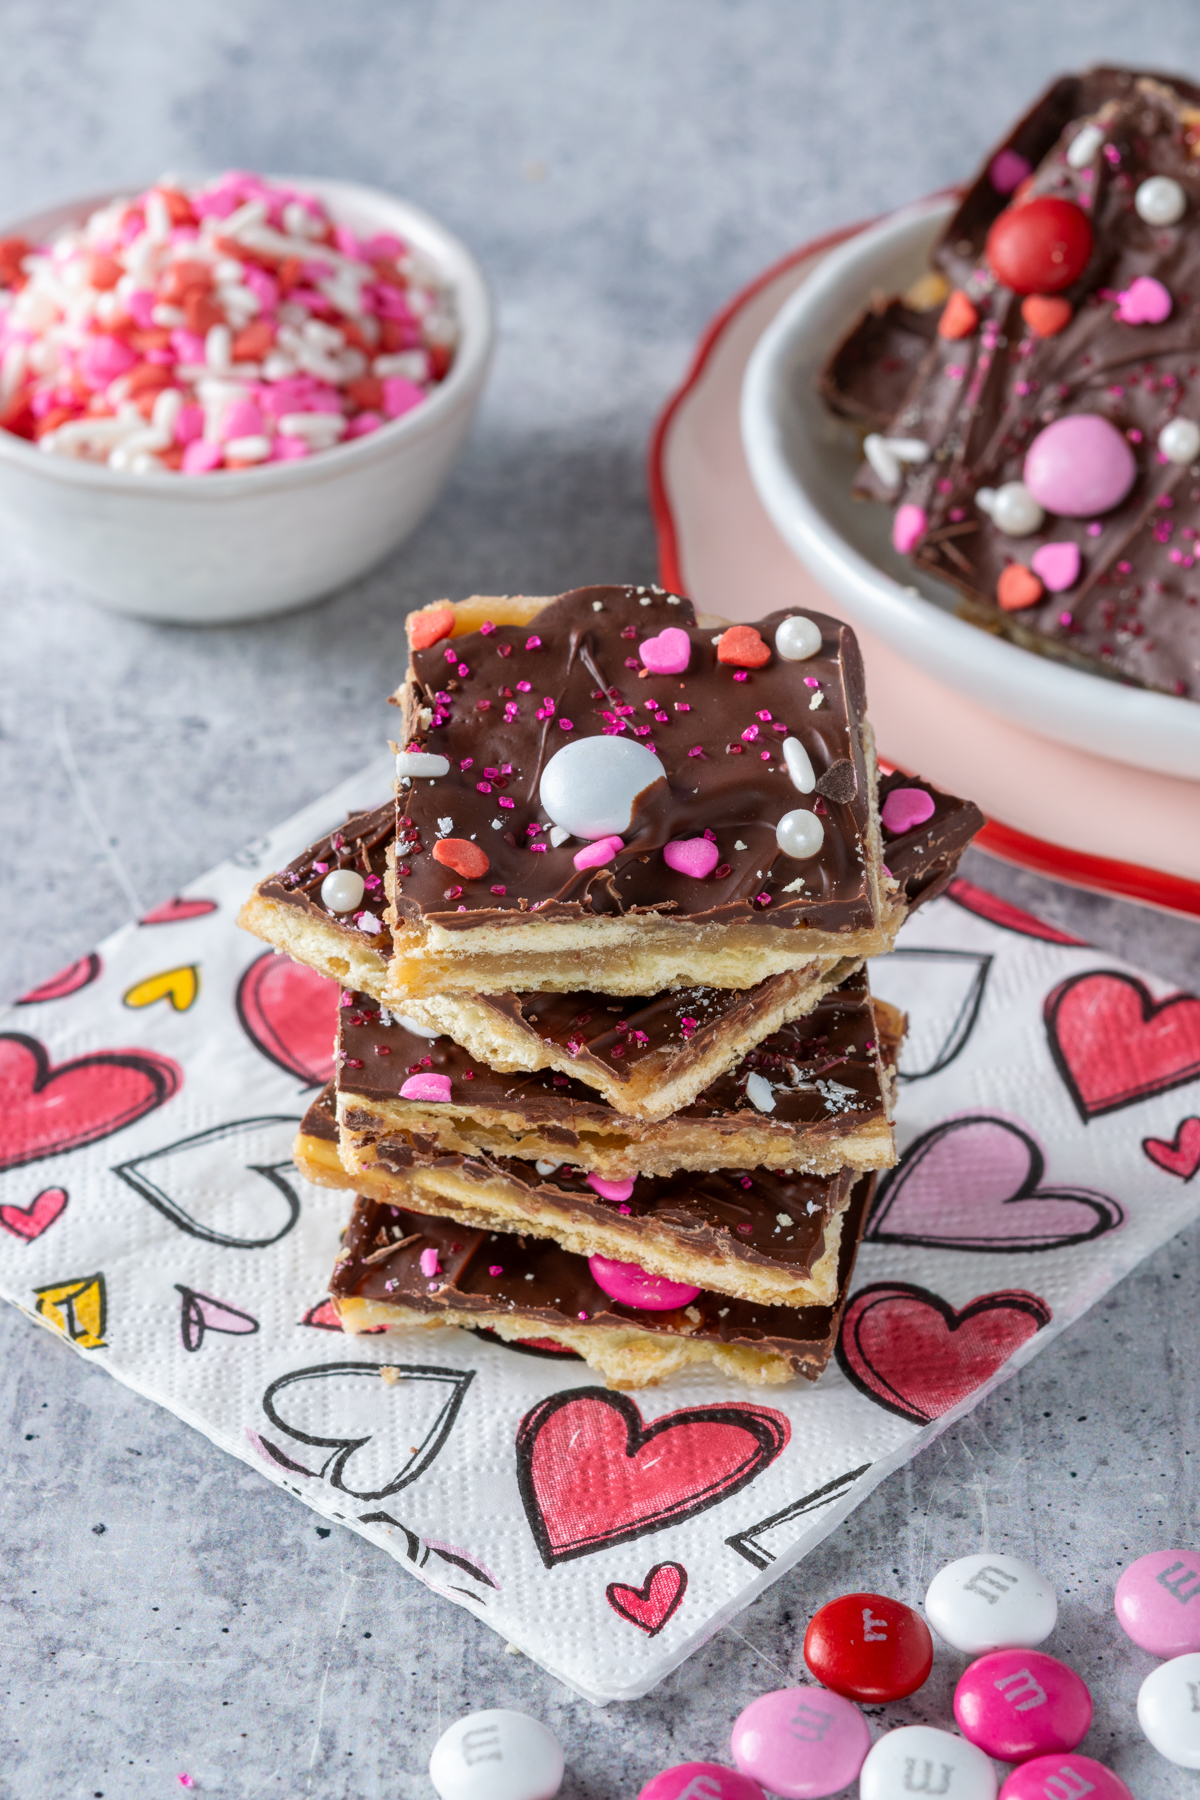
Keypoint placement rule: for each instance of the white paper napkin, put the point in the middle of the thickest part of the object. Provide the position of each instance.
(149, 1211)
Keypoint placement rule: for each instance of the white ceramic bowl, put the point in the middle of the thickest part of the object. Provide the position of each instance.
(208, 549)
(802, 460)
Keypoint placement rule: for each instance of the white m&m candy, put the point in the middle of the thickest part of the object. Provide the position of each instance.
(919, 1759)
(991, 1602)
(589, 786)
(1168, 1709)
(497, 1755)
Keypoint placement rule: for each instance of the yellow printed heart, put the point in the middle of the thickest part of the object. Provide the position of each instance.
(179, 986)
(77, 1309)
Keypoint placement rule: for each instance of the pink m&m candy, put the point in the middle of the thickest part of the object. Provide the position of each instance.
(1158, 1602)
(801, 1742)
(1016, 1704)
(701, 1781)
(631, 1285)
(1079, 467)
(1061, 1777)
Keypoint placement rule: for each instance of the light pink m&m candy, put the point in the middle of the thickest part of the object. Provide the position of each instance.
(1079, 467)
(1061, 1777)
(631, 1285)
(1016, 1704)
(1158, 1602)
(801, 1742)
(701, 1781)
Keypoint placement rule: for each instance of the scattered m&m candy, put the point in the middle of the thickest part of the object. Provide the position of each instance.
(869, 1648)
(1168, 1710)
(1079, 466)
(919, 1759)
(589, 786)
(701, 1781)
(1067, 1777)
(991, 1602)
(1158, 1602)
(1040, 246)
(497, 1755)
(801, 1742)
(1020, 1703)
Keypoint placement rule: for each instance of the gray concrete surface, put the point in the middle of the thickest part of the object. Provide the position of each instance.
(620, 170)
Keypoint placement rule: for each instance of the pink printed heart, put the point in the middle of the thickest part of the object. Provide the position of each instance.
(174, 912)
(76, 975)
(1058, 566)
(29, 1222)
(667, 654)
(975, 1184)
(200, 1313)
(290, 1013)
(1178, 1156)
(1144, 302)
(696, 857)
(650, 1606)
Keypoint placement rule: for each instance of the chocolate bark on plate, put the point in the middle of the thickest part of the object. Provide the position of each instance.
(524, 1289)
(609, 796)
(811, 1096)
(1109, 580)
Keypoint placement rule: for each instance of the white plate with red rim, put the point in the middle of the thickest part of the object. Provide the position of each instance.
(802, 461)
(1052, 807)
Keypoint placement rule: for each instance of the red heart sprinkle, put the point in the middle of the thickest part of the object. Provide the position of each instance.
(1018, 587)
(743, 648)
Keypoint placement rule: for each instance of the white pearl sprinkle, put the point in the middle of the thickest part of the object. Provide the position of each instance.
(1160, 201)
(799, 766)
(800, 834)
(1084, 146)
(1180, 441)
(342, 890)
(1012, 508)
(797, 638)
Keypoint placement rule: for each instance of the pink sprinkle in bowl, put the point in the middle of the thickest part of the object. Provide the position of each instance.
(243, 544)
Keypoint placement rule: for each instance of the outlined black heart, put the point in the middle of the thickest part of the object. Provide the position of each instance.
(364, 1413)
(941, 992)
(210, 1170)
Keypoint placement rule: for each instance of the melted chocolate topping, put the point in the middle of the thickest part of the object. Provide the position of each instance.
(499, 704)
(823, 1068)
(979, 401)
(360, 844)
(487, 1272)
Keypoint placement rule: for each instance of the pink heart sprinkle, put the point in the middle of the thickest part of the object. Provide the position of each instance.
(1057, 565)
(1007, 170)
(903, 810)
(908, 527)
(668, 653)
(429, 1263)
(697, 857)
(1144, 302)
(426, 1087)
(602, 851)
(610, 1190)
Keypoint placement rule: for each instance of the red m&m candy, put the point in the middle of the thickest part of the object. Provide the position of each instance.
(1040, 247)
(869, 1648)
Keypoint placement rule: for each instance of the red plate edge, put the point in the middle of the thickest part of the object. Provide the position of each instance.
(1128, 881)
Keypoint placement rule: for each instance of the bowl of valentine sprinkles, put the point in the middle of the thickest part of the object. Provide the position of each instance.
(224, 398)
(978, 424)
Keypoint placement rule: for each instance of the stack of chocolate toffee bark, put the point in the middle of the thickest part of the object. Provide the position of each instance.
(610, 1078)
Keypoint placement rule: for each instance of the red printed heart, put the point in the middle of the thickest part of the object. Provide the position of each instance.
(975, 1183)
(592, 1473)
(290, 1013)
(174, 912)
(1114, 1044)
(322, 1317)
(45, 1110)
(76, 975)
(650, 1606)
(1180, 1156)
(999, 912)
(29, 1222)
(909, 1351)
